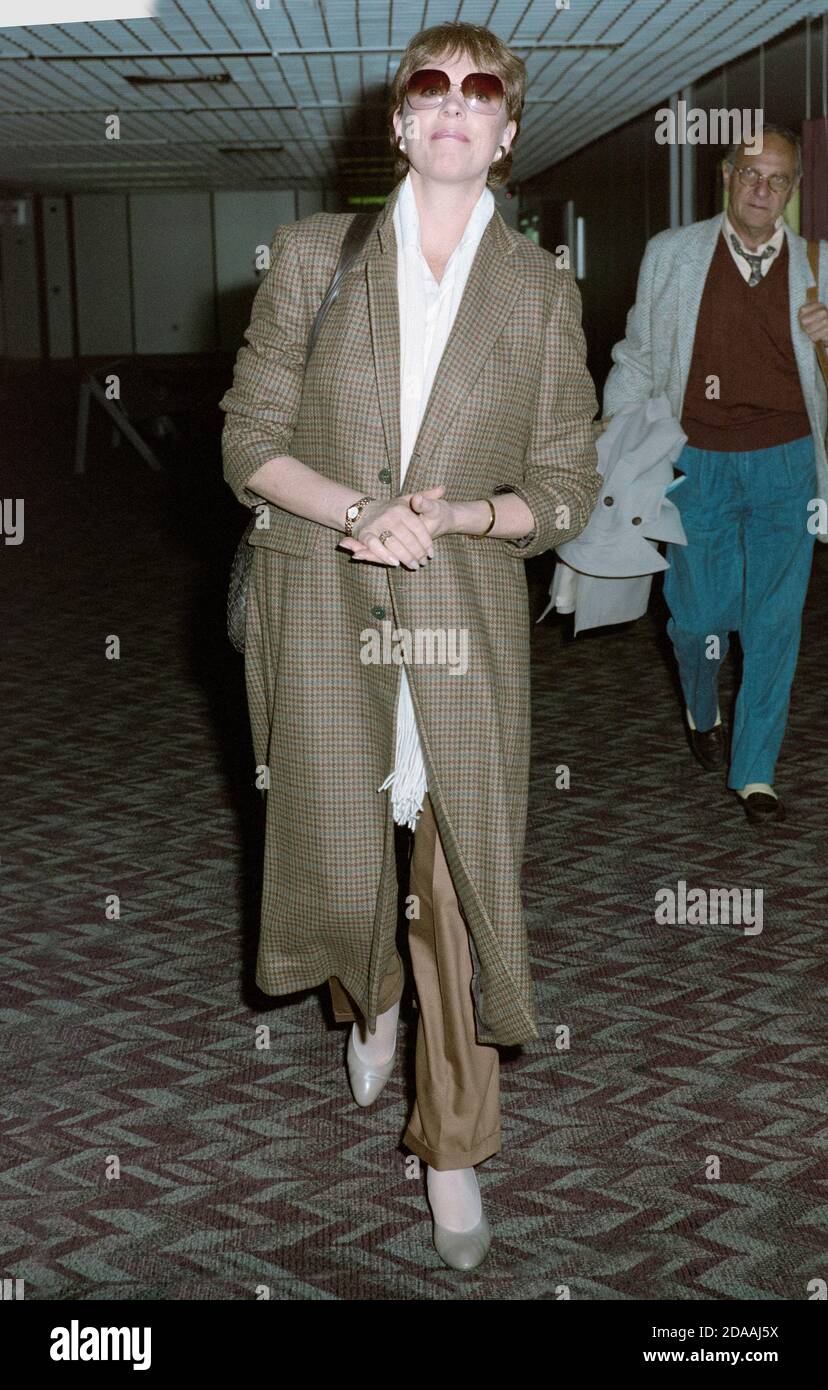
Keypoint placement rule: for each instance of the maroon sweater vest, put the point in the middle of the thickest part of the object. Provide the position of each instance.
(743, 337)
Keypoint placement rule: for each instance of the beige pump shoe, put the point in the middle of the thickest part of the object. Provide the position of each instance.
(367, 1078)
(463, 1249)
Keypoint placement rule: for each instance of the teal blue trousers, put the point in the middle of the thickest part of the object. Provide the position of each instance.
(745, 569)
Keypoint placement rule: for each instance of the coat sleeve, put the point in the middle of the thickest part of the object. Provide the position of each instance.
(560, 483)
(262, 406)
(630, 380)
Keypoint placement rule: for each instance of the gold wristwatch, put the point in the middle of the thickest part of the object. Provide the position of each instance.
(354, 512)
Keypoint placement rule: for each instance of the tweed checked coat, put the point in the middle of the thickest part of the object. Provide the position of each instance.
(511, 406)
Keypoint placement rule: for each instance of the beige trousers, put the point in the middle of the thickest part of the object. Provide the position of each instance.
(455, 1122)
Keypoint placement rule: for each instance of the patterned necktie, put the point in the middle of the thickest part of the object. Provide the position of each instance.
(754, 261)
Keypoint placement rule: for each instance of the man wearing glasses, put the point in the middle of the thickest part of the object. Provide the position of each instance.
(721, 326)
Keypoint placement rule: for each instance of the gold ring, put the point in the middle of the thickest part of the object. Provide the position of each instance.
(384, 536)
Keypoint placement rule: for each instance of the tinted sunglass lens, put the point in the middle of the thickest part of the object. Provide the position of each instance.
(483, 91)
(427, 87)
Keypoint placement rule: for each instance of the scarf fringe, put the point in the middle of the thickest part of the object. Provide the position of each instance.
(408, 779)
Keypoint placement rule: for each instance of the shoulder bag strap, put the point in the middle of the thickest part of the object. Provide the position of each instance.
(812, 296)
(355, 238)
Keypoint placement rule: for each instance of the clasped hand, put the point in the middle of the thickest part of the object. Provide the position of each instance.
(414, 519)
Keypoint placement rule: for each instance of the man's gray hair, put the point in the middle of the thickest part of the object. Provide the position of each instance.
(768, 129)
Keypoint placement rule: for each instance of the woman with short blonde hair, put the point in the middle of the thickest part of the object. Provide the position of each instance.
(440, 435)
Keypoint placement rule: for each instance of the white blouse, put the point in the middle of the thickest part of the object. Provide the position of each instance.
(426, 309)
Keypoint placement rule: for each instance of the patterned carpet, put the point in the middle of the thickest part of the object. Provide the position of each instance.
(150, 1148)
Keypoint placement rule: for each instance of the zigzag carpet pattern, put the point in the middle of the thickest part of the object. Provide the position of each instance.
(665, 1139)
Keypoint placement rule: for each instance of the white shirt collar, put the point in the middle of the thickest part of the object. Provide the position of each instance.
(407, 220)
(775, 241)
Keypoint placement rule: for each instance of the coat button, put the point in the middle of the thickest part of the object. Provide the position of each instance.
(378, 611)
(608, 501)
(384, 475)
(636, 521)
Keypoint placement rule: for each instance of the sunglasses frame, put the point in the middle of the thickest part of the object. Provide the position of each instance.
(482, 111)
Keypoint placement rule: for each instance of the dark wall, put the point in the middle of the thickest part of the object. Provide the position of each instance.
(739, 85)
(620, 186)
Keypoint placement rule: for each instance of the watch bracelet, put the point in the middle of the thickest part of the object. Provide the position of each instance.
(362, 503)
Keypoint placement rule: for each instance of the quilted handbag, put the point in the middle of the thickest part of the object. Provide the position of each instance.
(355, 238)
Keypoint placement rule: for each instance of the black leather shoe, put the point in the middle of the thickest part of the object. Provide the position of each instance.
(709, 746)
(761, 808)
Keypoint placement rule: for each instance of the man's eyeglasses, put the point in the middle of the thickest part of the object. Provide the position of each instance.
(749, 176)
(481, 91)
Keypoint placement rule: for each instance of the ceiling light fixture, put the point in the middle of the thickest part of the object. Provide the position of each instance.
(140, 80)
(24, 14)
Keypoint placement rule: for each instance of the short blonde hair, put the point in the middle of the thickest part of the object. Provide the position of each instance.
(488, 53)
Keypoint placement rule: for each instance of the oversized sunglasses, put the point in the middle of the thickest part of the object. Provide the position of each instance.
(481, 91)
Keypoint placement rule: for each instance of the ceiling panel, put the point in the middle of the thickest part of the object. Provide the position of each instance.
(295, 95)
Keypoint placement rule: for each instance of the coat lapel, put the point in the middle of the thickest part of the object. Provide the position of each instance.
(384, 318)
(693, 270)
(492, 285)
(799, 278)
